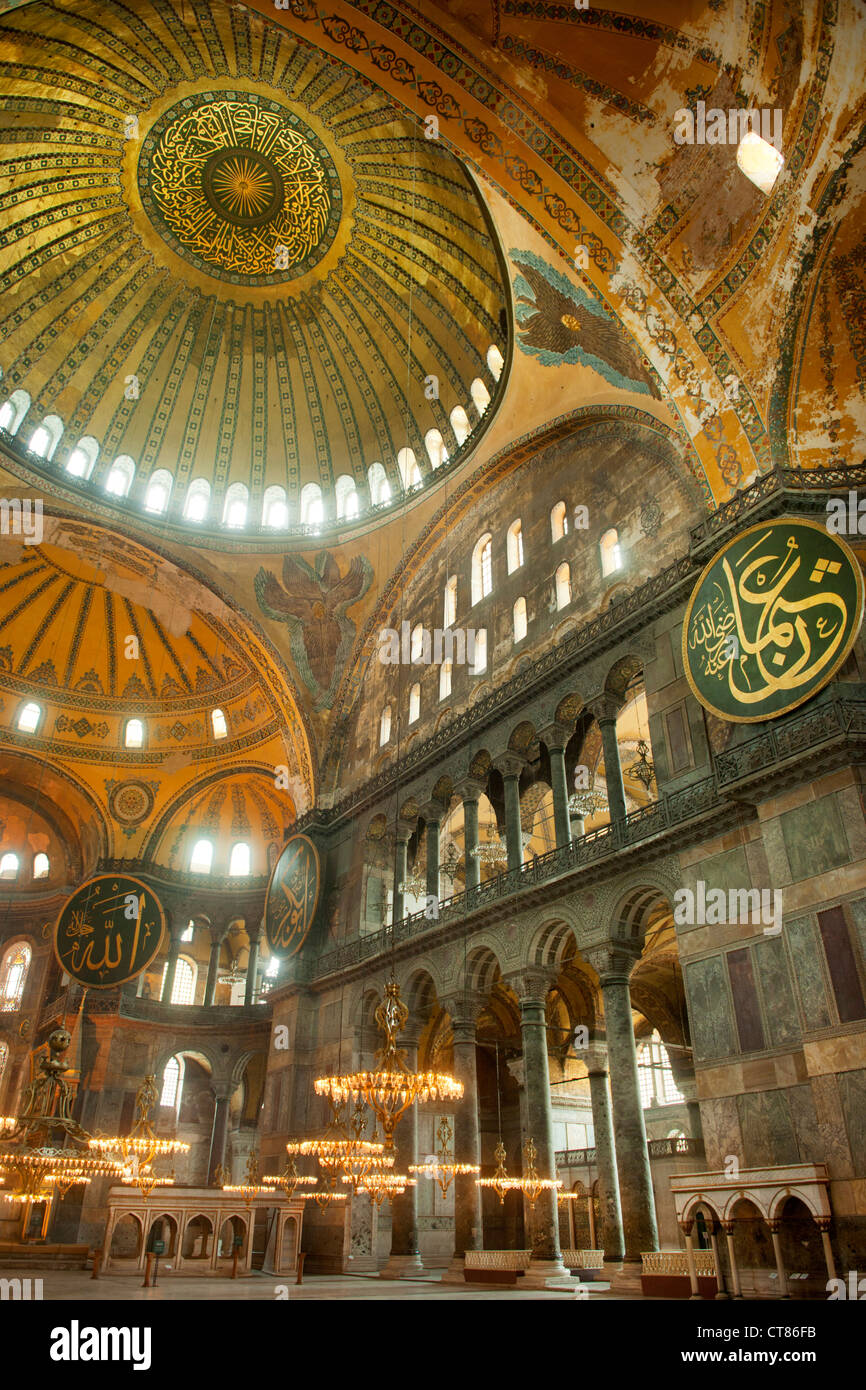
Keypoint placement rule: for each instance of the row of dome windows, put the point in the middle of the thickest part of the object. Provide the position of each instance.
(275, 509)
(10, 864)
(610, 554)
(30, 715)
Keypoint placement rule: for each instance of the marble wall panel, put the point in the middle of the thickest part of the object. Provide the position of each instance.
(709, 1009)
(807, 960)
(852, 1094)
(720, 1125)
(831, 1126)
(779, 1007)
(815, 840)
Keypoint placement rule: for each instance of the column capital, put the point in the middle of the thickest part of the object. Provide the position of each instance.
(604, 707)
(469, 788)
(517, 1067)
(463, 1007)
(404, 830)
(509, 764)
(555, 735)
(433, 811)
(728, 1227)
(595, 1059)
(531, 985)
(254, 931)
(613, 960)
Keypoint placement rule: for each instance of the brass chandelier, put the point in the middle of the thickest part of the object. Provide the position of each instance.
(530, 1184)
(391, 1088)
(134, 1154)
(442, 1168)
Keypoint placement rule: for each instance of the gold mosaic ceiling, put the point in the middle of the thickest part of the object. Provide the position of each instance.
(224, 255)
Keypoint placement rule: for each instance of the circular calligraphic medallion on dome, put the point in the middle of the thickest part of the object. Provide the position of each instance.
(240, 187)
(108, 931)
(130, 802)
(292, 897)
(771, 619)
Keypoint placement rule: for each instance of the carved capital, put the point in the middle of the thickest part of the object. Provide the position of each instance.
(555, 736)
(433, 812)
(509, 764)
(463, 1008)
(613, 960)
(604, 707)
(594, 1057)
(469, 788)
(531, 985)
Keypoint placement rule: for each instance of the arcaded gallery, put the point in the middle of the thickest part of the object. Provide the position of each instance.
(432, 687)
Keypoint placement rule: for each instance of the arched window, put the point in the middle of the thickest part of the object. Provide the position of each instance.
(13, 975)
(655, 1076)
(41, 866)
(480, 662)
(158, 491)
(29, 717)
(183, 989)
(239, 865)
(482, 569)
(218, 723)
(275, 512)
(380, 488)
(436, 451)
(385, 726)
(450, 605)
(514, 546)
(133, 735)
(188, 932)
(495, 361)
(558, 522)
(480, 395)
(120, 476)
(414, 703)
(14, 411)
(9, 865)
(235, 506)
(460, 423)
(445, 680)
(347, 497)
(172, 1082)
(201, 858)
(409, 470)
(312, 508)
(46, 437)
(519, 612)
(416, 645)
(197, 503)
(83, 457)
(563, 586)
(611, 555)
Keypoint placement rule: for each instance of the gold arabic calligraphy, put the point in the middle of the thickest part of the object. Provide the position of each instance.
(749, 635)
(298, 884)
(125, 942)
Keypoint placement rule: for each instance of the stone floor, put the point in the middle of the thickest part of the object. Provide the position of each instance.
(72, 1286)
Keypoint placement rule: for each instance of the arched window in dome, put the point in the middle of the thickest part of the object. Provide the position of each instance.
(218, 723)
(13, 975)
(495, 361)
(235, 506)
(436, 450)
(83, 457)
(41, 866)
(172, 1082)
(13, 411)
(563, 586)
(120, 476)
(611, 555)
(558, 522)
(380, 488)
(416, 644)
(239, 864)
(158, 491)
(519, 616)
(480, 662)
(514, 546)
(460, 424)
(9, 865)
(415, 703)
(275, 511)
(385, 726)
(482, 568)
(409, 470)
(312, 507)
(185, 975)
(347, 497)
(29, 717)
(480, 395)
(133, 734)
(201, 858)
(445, 679)
(449, 613)
(197, 503)
(46, 437)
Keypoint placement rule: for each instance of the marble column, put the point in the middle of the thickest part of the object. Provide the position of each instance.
(728, 1228)
(469, 792)
(596, 1060)
(721, 1290)
(220, 1129)
(404, 1262)
(690, 1259)
(614, 965)
(511, 766)
(217, 932)
(542, 1220)
(253, 934)
(823, 1224)
(171, 971)
(775, 1228)
(468, 1228)
(555, 737)
(605, 710)
(401, 871)
(432, 811)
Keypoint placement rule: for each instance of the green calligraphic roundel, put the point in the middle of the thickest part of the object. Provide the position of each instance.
(109, 931)
(771, 619)
(293, 895)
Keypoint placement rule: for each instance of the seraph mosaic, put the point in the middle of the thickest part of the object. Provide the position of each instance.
(313, 603)
(559, 322)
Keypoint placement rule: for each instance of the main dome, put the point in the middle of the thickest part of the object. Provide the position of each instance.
(241, 289)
